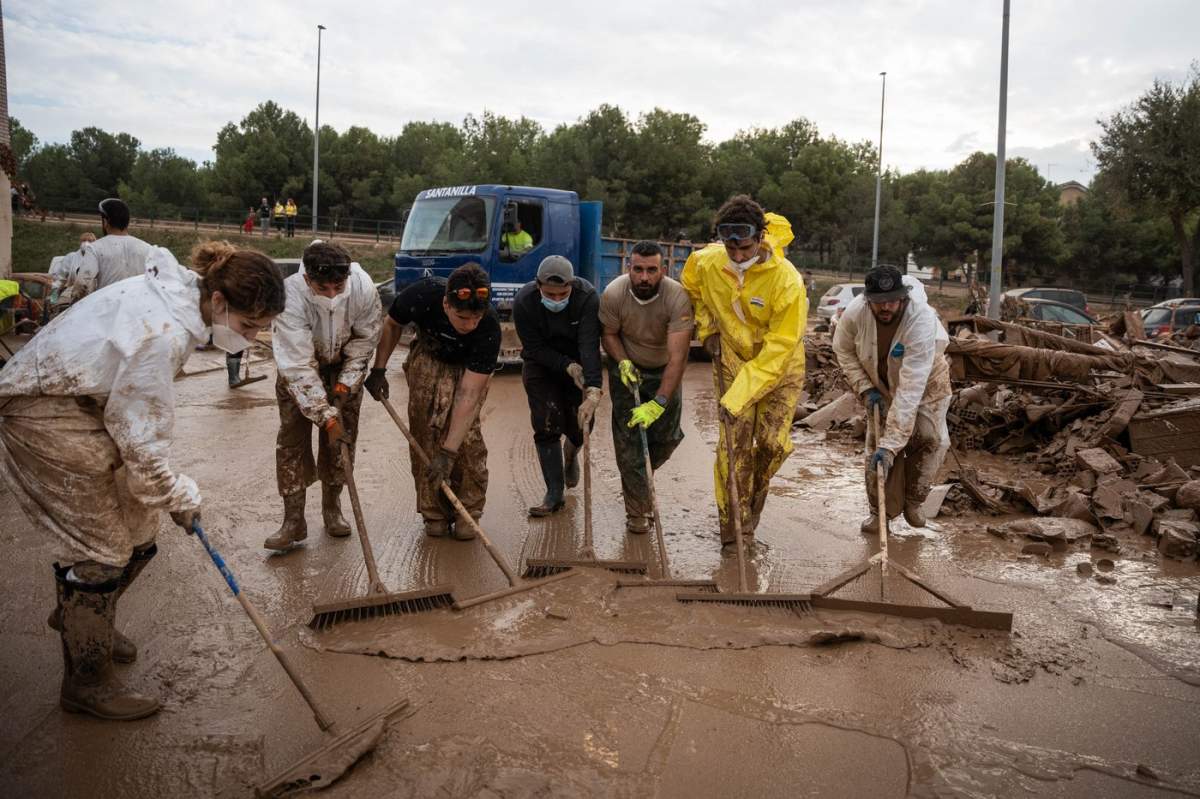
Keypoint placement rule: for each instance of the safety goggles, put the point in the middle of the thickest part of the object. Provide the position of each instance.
(736, 231)
(481, 293)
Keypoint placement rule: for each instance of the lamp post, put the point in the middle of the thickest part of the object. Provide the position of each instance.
(998, 217)
(878, 174)
(317, 132)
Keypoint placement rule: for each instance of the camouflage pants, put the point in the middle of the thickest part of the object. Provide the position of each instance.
(662, 437)
(762, 441)
(912, 474)
(295, 469)
(431, 388)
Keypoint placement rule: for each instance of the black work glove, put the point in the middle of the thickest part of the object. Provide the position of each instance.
(377, 384)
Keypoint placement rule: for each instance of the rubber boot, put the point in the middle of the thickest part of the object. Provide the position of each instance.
(124, 650)
(294, 528)
(913, 515)
(870, 525)
(233, 365)
(437, 528)
(462, 531)
(550, 457)
(571, 464)
(637, 524)
(331, 511)
(87, 607)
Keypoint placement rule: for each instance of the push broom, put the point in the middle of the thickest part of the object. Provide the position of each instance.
(378, 600)
(544, 567)
(515, 584)
(743, 596)
(322, 767)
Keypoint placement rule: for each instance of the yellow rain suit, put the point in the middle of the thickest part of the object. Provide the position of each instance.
(761, 318)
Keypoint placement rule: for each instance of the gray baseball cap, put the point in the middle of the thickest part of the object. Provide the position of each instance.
(555, 269)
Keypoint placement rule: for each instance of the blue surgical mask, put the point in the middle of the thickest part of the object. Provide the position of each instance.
(556, 306)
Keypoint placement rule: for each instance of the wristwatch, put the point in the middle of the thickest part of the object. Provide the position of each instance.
(661, 400)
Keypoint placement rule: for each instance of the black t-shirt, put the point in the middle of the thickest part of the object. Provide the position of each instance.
(421, 304)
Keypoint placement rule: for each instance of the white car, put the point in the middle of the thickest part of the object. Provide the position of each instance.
(838, 296)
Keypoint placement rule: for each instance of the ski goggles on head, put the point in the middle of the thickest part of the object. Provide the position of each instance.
(736, 231)
(464, 294)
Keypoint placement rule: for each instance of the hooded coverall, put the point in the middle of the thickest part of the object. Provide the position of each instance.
(917, 393)
(761, 317)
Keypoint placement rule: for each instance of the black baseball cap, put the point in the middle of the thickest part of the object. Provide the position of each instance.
(885, 284)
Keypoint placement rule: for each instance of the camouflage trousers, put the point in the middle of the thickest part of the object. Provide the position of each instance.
(295, 469)
(662, 437)
(431, 388)
(915, 468)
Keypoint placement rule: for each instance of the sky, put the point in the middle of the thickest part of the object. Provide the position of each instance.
(172, 74)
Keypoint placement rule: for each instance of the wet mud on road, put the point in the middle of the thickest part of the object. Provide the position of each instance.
(584, 689)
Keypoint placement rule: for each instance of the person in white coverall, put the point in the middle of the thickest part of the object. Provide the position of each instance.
(322, 342)
(114, 257)
(63, 267)
(87, 410)
(891, 347)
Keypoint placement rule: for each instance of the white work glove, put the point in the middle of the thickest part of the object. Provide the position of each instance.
(576, 372)
(587, 408)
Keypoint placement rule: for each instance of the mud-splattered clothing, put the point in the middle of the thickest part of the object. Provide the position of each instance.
(762, 441)
(432, 384)
(295, 469)
(554, 401)
(662, 437)
(93, 476)
(916, 465)
(421, 304)
(106, 261)
(555, 340)
(314, 334)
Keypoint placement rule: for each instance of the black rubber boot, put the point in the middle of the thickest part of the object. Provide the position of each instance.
(87, 605)
(571, 464)
(331, 511)
(294, 527)
(551, 459)
(124, 650)
(233, 365)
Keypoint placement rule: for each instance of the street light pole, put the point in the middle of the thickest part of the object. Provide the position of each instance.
(998, 217)
(317, 132)
(879, 174)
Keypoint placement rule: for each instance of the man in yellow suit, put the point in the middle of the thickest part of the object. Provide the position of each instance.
(751, 310)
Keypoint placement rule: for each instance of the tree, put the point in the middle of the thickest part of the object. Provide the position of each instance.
(24, 144)
(104, 160)
(162, 184)
(1151, 150)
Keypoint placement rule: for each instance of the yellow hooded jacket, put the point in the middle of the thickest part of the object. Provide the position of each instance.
(762, 321)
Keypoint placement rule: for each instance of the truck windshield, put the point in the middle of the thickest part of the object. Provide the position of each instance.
(448, 224)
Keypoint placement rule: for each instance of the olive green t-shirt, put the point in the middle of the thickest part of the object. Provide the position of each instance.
(644, 328)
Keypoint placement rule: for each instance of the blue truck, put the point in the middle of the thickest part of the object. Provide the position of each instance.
(453, 225)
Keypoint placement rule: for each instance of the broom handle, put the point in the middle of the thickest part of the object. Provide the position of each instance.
(261, 626)
(735, 505)
(588, 550)
(377, 586)
(664, 563)
(881, 502)
(458, 506)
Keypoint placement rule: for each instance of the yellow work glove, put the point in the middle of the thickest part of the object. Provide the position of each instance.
(646, 414)
(630, 376)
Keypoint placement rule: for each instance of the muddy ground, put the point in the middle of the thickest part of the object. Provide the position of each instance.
(583, 689)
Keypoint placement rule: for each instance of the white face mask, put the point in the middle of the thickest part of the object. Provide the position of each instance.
(328, 303)
(226, 338)
(741, 266)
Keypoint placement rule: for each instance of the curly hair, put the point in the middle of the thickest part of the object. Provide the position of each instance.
(740, 209)
(326, 262)
(248, 280)
(468, 276)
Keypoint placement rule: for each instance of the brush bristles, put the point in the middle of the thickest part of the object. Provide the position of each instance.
(536, 568)
(395, 607)
(759, 600)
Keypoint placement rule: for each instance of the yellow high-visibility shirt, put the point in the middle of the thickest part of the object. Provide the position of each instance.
(290, 209)
(760, 317)
(517, 242)
(278, 209)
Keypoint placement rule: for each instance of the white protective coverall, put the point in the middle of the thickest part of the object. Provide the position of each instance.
(62, 269)
(309, 335)
(917, 394)
(87, 410)
(106, 261)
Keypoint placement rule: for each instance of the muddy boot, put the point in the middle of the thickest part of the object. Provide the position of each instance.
(913, 515)
(637, 524)
(570, 464)
(870, 525)
(331, 511)
(233, 365)
(294, 528)
(87, 604)
(124, 650)
(462, 531)
(437, 528)
(550, 457)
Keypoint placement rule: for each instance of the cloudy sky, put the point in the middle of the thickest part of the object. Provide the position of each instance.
(173, 73)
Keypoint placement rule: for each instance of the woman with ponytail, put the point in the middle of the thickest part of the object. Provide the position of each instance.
(87, 411)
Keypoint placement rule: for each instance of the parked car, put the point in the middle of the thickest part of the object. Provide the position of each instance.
(838, 296)
(1167, 317)
(1051, 311)
(1068, 296)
